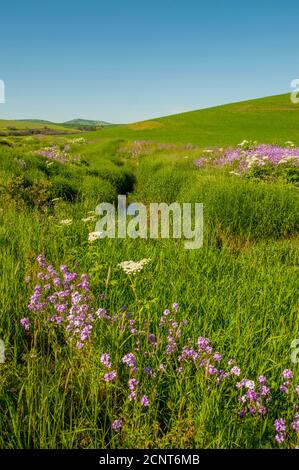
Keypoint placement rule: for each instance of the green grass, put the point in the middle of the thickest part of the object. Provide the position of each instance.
(240, 289)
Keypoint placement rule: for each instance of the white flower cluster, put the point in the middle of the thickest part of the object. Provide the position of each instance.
(66, 222)
(247, 144)
(132, 267)
(255, 160)
(288, 159)
(289, 144)
(78, 140)
(93, 236)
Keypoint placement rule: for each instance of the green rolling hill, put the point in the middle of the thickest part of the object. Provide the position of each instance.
(274, 119)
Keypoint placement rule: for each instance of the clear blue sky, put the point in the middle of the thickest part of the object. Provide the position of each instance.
(128, 60)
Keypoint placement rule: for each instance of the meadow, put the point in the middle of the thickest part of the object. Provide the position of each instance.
(179, 348)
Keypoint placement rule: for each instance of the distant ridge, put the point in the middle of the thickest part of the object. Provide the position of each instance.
(74, 123)
(87, 122)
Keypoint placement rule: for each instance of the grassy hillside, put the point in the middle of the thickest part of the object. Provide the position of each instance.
(273, 120)
(7, 124)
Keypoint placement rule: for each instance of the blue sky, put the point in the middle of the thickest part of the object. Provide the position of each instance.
(128, 60)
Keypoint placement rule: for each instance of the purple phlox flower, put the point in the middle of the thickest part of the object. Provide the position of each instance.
(287, 374)
(264, 391)
(284, 388)
(280, 425)
(152, 339)
(187, 354)
(41, 261)
(251, 394)
(249, 384)
(132, 396)
(262, 410)
(64, 268)
(212, 370)
(56, 282)
(117, 425)
(279, 438)
(262, 379)
(217, 357)
(204, 344)
(61, 308)
(133, 383)
(130, 361)
(295, 425)
(145, 401)
(109, 376)
(171, 346)
(86, 332)
(102, 313)
(148, 370)
(222, 375)
(235, 371)
(25, 323)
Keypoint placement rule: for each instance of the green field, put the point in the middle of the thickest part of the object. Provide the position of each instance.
(240, 290)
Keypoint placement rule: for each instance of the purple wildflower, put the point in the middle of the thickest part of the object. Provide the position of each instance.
(217, 357)
(280, 425)
(117, 425)
(235, 371)
(133, 383)
(106, 361)
(262, 379)
(130, 361)
(109, 376)
(287, 374)
(25, 323)
(145, 401)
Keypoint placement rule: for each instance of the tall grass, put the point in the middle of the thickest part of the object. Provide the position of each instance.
(240, 289)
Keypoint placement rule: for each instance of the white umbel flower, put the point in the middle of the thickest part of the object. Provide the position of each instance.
(132, 267)
(66, 222)
(93, 236)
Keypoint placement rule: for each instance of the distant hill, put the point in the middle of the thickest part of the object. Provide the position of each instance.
(74, 123)
(37, 121)
(33, 126)
(86, 123)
